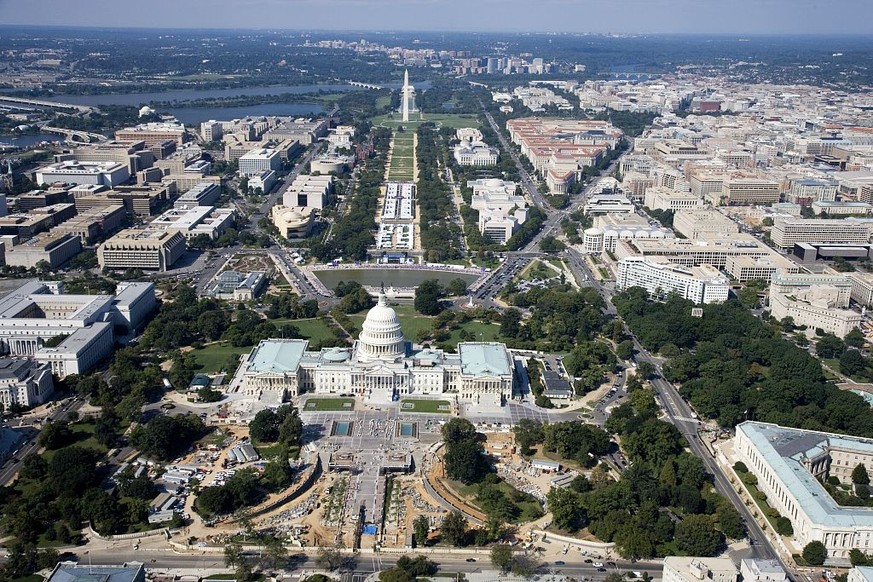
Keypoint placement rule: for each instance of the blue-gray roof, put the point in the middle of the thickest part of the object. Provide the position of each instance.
(82, 573)
(279, 356)
(484, 359)
(784, 449)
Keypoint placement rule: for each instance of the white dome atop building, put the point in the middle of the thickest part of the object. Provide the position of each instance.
(381, 335)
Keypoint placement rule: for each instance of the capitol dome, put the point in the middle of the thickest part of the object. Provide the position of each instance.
(381, 335)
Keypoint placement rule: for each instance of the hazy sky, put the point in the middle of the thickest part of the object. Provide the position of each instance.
(654, 16)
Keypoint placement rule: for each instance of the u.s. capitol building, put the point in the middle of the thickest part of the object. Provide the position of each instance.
(382, 366)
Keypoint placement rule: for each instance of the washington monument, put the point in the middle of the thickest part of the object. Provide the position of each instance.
(407, 97)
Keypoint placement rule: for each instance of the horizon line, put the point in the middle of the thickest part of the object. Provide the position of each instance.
(740, 34)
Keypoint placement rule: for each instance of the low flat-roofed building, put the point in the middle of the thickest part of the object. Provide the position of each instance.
(688, 569)
(712, 251)
(790, 465)
(25, 225)
(703, 222)
(663, 198)
(257, 161)
(107, 173)
(608, 203)
(862, 288)
(501, 210)
(69, 572)
(749, 191)
(747, 268)
(138, 248)
(194, 221)
(95, 224)
(153, 134)
(702, 284)
(24, 382)
(616, 227)
(788, 232)
(842, 208)
(132, 153)
(762, 571)
(475, 154)
(791, 283)
(54, 249)
(860, 574)
(263, 181)
(293, 222)
(203, 194)
(817, 307)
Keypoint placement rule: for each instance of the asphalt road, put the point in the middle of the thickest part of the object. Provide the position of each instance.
(29, 445)
(364, 563)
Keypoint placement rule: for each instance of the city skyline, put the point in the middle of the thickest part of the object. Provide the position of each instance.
(635, 17)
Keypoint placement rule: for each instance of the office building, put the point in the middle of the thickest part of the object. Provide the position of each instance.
(816, 307)
(608, 204)
(141, 248)
(381, 367)
(790, 465)
(744, 268)
(95, 224)
(841, 208)
(109, 174)
(743, 190)
(54, 249)
(256, 162)
(713, 251)
(131, 153)
(762, 571)
(688, 569)
(203, 194)
(862, 288)
(38, 311)
(194, 221)
(211, 130)
(809, 190)
(611, 228)
(703, 284)
(703, 222)
(793, 283)
(788, 232)
(263, 181)
(155, 134)
(663, 198)
(238, 286)
(24, 382)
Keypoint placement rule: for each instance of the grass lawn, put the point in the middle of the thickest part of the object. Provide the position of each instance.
(329, 404)
(454, 120)
(528, 509)
(212, 358)
(314, 329)
(427, 406)
(482, 332)
(83, 436)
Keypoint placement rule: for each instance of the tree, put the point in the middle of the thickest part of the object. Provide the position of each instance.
(501, 557)
(454, 528)
(859, 475)
(568, 509)
(265, 426)
(457, 287)
(830, 346)
(729, 521)
(855, 338)
(330, 558)
(858, 558)
(815, 553)
(421, 527)
(55, 435)
(510, 323)
(852, 362)
(697, 536)
(275, 553)
(550, 244)
(528, 432)
(625, 350)
(783, 526)
(428, 297)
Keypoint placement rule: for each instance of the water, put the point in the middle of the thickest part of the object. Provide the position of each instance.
(23, 141)
(404, 278)
(407, 429)
(139, 99)
(197, 115)
(867, 396)
(342, 428)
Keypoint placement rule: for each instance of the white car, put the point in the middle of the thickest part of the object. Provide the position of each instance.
(597, 564)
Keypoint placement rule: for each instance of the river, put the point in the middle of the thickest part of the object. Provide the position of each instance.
(197, 115)
(139, 99)
(390, 277)
(28, 140)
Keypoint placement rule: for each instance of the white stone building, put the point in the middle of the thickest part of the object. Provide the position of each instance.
(381, 366)
(703, 284)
